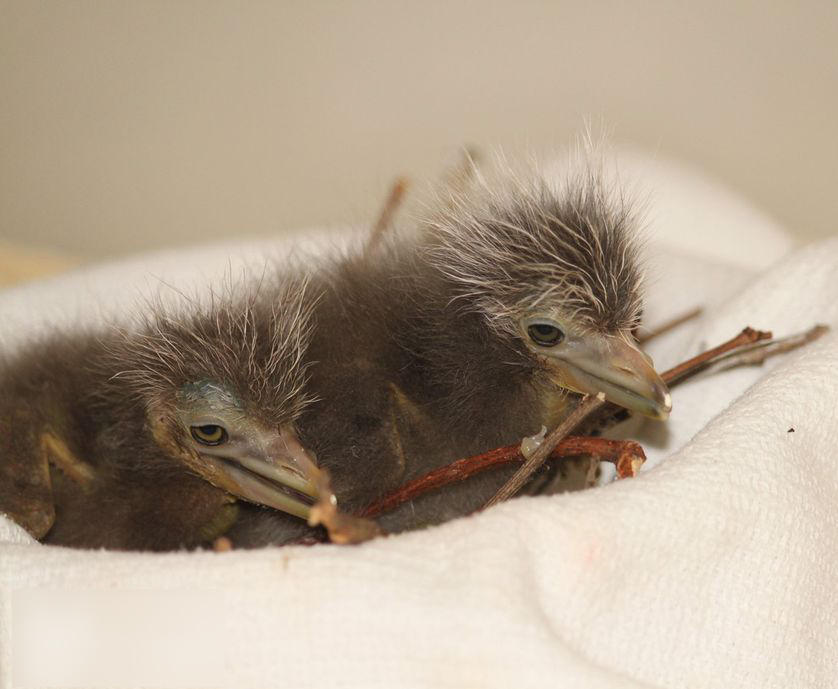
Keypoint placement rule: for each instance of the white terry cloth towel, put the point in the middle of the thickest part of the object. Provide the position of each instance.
(715, 567)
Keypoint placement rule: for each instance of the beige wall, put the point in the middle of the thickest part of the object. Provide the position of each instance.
(128, 125)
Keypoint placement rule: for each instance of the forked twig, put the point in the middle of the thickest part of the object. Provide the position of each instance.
(748, 347)
(757, 353)
(456, 181)
(666, 326)
(586, 405)
(626, 455)
(689, 368)
(699, 363)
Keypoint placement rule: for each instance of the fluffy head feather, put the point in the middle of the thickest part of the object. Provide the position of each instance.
(515, 247)
(249, 342)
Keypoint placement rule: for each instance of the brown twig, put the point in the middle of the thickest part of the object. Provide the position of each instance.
(699, 363)
(626, 455)
(589, 405)
(586, 405)
(388, 211)
(750, 343)
(611, 414)
(666, 326)
(757, 353)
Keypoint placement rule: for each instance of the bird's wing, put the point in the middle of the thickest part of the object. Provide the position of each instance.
(415, 435)
(26, 479)
(25, 482)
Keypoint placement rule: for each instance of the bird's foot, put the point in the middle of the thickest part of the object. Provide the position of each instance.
(59, 455)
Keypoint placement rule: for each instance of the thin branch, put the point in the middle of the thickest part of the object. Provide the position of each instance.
(586, 405)
(626, 455)
(387, 213)
(666, 326)
(589, 405)
(699, 363)
(757, 353)
(748, 347)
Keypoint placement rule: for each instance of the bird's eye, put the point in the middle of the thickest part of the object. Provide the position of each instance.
(209, 434)
(545, 334)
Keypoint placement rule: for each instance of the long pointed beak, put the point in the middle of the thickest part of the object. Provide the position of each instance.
(615, 367)
(275, 470)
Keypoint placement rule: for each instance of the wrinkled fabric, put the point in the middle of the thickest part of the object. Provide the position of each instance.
(715, 567)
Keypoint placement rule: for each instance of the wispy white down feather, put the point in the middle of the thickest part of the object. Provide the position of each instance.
(250, 339)
(520, 244)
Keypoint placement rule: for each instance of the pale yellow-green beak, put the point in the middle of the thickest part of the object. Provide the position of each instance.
(273, 469)
(613, 366)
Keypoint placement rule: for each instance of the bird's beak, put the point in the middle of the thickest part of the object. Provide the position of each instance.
(273, 469)
(613, 366)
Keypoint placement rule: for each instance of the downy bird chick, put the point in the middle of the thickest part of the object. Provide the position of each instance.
(508, 303)
(389, 364)
(145, 438)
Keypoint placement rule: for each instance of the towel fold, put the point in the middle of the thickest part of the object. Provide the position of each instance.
(716, 567)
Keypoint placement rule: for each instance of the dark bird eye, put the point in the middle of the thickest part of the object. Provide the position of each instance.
(545, 334)
(209, 434)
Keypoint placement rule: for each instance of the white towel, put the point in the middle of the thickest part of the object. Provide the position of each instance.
(716, 567)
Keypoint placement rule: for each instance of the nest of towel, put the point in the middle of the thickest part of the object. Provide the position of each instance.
(715, 566)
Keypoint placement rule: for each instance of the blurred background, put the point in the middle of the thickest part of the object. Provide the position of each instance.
(128, 126)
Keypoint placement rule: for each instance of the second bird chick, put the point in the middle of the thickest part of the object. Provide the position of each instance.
(145, 439)
(377, 366)
(473, 333)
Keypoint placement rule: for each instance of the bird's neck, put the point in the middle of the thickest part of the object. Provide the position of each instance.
(396, 316)
(472, 374)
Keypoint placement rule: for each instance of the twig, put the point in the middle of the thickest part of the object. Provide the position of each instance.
(666, 326)
(699, 363)
(748, 347)
(456, 181)
(586, 405)
(589, 405)
(626, 455)
(388, 211)
(757, 353)
(612, 414)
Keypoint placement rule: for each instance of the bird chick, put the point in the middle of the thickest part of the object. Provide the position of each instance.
(555, 274)
(378, 366)
(504, 306)
(144, 438)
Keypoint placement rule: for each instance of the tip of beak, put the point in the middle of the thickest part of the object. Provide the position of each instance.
(666, 407)
(663, 408)
(617, 369)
